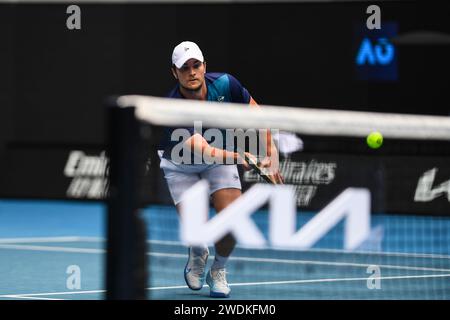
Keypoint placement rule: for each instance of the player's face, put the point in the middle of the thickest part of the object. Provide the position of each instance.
(191, 75)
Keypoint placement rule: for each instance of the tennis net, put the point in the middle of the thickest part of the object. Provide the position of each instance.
(349, 222)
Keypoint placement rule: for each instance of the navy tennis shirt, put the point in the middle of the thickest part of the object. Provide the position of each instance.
(221, 87)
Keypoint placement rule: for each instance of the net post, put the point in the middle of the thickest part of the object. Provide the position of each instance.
(126, 276)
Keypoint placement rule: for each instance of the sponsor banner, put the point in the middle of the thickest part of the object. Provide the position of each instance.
(86, 173)
(418, 185)
(319, 178)
(55, 173)
(71, 173)
(398, 184)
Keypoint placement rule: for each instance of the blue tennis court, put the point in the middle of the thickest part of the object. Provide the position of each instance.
(41, 242)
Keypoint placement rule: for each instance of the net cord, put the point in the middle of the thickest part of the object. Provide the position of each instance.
(309, 121)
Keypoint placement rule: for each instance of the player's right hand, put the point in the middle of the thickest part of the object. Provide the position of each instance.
(245, 164)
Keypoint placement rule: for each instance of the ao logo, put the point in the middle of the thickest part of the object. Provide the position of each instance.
(381, 53)
(352, 204)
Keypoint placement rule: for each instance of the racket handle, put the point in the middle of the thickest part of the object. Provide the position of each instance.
(255, 166)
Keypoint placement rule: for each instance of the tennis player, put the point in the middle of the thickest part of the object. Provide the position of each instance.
(189, 69)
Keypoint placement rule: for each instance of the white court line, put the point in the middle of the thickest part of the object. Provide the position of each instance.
(246, 259)
(49, 248)
(28, 297)
(178, 243)
(319, 250)
(40, 239)
(395, 254)
(309, 262)
(61, 293)
(50, 293)
(239, 284)
(339, 280)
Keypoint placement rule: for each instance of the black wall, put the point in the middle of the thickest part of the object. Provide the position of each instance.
(53, 80)
(297, 54)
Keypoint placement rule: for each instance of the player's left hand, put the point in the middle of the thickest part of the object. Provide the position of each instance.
(276, 176)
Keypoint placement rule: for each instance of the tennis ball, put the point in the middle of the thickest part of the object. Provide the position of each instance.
(374, 140)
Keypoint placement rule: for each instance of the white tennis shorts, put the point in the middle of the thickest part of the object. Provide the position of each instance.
(180, 177)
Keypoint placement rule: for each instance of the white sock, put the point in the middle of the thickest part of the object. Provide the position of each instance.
(219, 262)
(199, 251)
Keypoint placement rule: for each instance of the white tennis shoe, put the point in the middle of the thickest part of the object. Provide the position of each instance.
(216, 279)
(194, 272)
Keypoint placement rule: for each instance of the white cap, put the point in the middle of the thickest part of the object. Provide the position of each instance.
(185, 51)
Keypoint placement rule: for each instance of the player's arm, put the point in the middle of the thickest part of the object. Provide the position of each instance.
(240, 94)
(271, 160)
(198, 144)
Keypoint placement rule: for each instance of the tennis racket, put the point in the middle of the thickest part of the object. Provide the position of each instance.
(255, 167)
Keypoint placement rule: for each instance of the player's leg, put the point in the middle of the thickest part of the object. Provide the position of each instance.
(178, 181)
(195, 268)
(216, 276)
(221, 199)
(225, 187)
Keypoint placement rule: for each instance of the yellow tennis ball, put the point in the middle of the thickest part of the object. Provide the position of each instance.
(374, 140)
